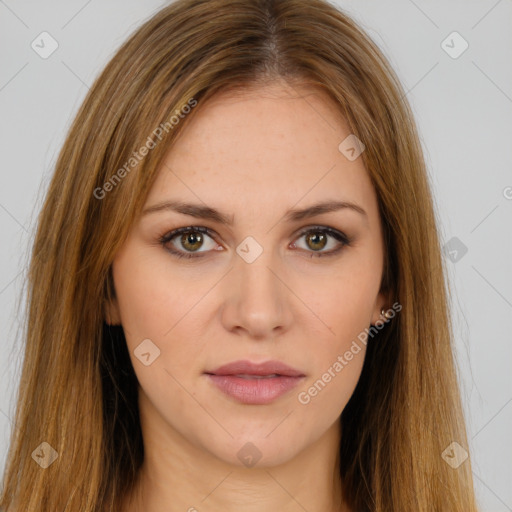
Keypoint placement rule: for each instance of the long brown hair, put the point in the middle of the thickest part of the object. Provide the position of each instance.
(78, 390)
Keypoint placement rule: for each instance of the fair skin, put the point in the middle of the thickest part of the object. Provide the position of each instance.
(252, 156)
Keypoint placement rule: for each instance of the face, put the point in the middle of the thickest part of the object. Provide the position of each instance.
(257, 276)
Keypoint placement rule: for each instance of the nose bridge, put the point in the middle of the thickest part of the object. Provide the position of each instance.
(256, 281)
(257, 299)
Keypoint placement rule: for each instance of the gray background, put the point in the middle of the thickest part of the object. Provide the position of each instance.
(463, 107)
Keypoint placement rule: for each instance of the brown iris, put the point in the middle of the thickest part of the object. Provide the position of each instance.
(316, 238)
(192, 240)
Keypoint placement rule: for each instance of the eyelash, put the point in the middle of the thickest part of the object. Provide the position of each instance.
(338, 235)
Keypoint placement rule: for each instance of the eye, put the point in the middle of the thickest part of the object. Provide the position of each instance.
(188, 241)
(317, 238)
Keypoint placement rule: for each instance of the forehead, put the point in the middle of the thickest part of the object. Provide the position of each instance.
(277, 143)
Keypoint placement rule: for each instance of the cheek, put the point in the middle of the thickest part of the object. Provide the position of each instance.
(345, 302)
(141, 303)
(161, 306)
(337, 356)
(324, 397)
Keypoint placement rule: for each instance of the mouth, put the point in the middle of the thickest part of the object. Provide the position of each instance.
(255, 376)
(255, 383)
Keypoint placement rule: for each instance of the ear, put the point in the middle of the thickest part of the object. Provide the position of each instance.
(382, 302)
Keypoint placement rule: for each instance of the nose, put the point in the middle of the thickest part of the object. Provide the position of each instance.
(257, 300)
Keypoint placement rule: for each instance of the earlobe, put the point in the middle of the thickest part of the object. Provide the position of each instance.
(382, 308)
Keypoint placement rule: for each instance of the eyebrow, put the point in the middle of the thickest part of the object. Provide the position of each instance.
(205, 212)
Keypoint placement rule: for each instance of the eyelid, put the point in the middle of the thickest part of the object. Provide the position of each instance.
(179, 231)
(335, 233)
(341, 237)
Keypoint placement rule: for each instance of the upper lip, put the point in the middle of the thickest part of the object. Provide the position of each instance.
(250, 368)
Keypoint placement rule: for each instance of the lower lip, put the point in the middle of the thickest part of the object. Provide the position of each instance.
(254, 391)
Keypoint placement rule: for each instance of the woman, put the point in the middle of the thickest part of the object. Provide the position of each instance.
(236, 295)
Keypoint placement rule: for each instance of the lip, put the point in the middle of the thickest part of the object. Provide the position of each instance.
(255, 383)
(262, 369)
